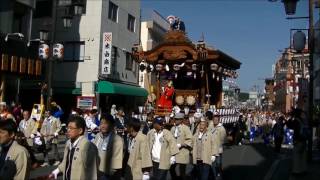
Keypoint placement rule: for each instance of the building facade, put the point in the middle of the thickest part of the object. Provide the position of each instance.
(290, 78)
(80, 73)
(19, 61)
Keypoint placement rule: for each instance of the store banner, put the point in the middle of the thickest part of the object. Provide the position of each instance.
(106, 53)
(86, 102)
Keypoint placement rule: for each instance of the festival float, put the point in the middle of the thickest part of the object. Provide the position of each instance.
(184, 75)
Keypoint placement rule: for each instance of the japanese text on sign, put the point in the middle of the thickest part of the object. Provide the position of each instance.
(106, 53)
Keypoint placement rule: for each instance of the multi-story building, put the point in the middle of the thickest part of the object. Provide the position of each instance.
(97, 51)
(291, 73)
(19, 61)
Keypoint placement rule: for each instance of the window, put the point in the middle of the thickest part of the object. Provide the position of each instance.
(114, 56)
(131, 22)
(113, 12)
(129, 61)
(43, 9)
(74, 51)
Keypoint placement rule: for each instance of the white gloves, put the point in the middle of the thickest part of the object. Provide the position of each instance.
(54, 173)
(56, 134)
(213, 158)
(32, 136)
(145, 176)
(172, 160)
(179, 146)
(38, 134)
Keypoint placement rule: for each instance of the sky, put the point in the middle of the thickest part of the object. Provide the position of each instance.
(252, 31)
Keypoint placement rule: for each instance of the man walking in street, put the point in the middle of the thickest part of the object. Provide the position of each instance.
(219, 137)
(204, 151)
(50, 129)
(80, 161)
(183, 137)
(139, 163)
(278, 133)
(14, 158)
(28, 127)
(163, 149)
(110, 148)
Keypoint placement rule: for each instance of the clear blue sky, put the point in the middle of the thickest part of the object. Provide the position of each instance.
(251, 31)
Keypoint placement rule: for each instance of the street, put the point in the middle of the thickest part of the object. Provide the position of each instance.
(246, 162)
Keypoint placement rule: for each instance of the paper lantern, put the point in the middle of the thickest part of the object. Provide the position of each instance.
(43, 51)
(58, 51)
(14, 64)
(299, 41)
(23, 65)
(38, 67)
(159, 67)
(30, 66)
(191, 100)
(214, 67)
(179, 100)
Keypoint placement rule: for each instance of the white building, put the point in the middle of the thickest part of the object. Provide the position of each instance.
(80, 72)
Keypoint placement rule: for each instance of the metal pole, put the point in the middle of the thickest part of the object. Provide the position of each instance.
(311, 50)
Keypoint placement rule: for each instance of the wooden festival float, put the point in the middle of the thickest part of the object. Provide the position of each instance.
(196, 71)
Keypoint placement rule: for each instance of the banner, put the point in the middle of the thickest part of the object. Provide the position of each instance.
(86, 102)
(106, 53)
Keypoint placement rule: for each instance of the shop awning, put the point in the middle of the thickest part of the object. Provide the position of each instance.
(105, 87)
(74, 91)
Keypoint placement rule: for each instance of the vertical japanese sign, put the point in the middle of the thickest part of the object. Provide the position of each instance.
(106, 53)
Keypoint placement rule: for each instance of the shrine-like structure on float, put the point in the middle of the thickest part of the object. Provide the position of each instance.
(184, 74)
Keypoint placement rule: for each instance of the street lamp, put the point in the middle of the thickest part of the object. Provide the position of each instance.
(290, 6)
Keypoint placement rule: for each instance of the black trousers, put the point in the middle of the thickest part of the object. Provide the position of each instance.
(178, 171)
(158, 174)
(277, 143)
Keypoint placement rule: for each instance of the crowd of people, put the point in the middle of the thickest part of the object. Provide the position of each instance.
(115, 146)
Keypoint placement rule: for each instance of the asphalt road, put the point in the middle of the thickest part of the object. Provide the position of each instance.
(246, 162)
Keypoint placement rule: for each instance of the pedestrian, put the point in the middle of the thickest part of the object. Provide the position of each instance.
(204, 151)
(163, 149)
(56, 110)
(91, 125)
(300, 136)
(278, 133)
(183, 138)
(28, 127)
(14, 158)
(239, 132)
(4, 112)
(139, 162)
(80, 159)
(110, 148)
(50, 129)
(219, 136)
(195, 122)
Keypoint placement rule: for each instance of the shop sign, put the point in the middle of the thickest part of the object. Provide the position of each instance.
(86, 102)
(106, 53)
